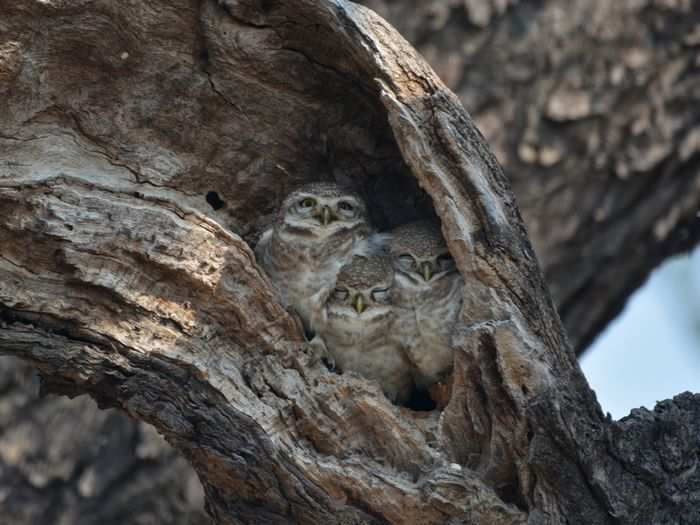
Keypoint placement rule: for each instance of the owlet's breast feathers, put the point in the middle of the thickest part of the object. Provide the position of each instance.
(318, 229)
(383, 305)
(357, 325)
(427, 297)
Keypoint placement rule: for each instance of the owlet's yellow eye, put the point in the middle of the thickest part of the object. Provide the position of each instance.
(380, 295)
(307, 203)
(406, 261)
(341, 294)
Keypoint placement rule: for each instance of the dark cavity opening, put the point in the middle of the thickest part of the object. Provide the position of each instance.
(204, 55)
(420, 401)
(215, 201)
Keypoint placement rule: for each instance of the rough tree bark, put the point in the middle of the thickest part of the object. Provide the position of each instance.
(65, 461)
(593, 107)
(125, 272)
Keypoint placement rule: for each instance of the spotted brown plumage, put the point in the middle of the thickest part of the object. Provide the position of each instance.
(376, 268)
(317, 230)
(357, 325)
(427, 297)
(421, 238)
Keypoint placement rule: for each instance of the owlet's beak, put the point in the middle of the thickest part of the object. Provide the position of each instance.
(326, 216)
(426, 271)
(359, 304)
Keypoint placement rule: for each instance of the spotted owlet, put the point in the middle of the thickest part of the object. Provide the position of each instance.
(427, 297)
(318, 229)
(356, 326)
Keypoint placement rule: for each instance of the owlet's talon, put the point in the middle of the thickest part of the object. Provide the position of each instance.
(320, 353)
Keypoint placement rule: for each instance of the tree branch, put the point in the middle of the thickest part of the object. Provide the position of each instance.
(123, 277)
(597, 130)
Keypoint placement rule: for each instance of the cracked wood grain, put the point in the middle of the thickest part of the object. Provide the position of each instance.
(118, 278)
(597, 130)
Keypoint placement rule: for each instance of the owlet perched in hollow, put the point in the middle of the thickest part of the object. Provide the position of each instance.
(427, 297)
(318, 229)
(356, 326)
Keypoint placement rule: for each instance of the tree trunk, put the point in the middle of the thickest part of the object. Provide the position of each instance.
(593, 107)
(65, 461)
(143, 147)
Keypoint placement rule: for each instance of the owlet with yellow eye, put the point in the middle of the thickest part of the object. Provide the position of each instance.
(427, 297)
(318, 229)
(356, 326)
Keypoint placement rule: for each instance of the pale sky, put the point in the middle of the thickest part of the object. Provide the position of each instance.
(652, 350)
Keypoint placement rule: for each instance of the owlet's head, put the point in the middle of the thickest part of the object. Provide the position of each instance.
(363, 288)
(321, 209)
(420, 254)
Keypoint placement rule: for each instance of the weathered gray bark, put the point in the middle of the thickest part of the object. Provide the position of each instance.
(593, 108)
(65, 461)
(127, 190)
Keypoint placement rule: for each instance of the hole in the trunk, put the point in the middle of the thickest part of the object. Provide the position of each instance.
(420, 401)
(215, 201)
